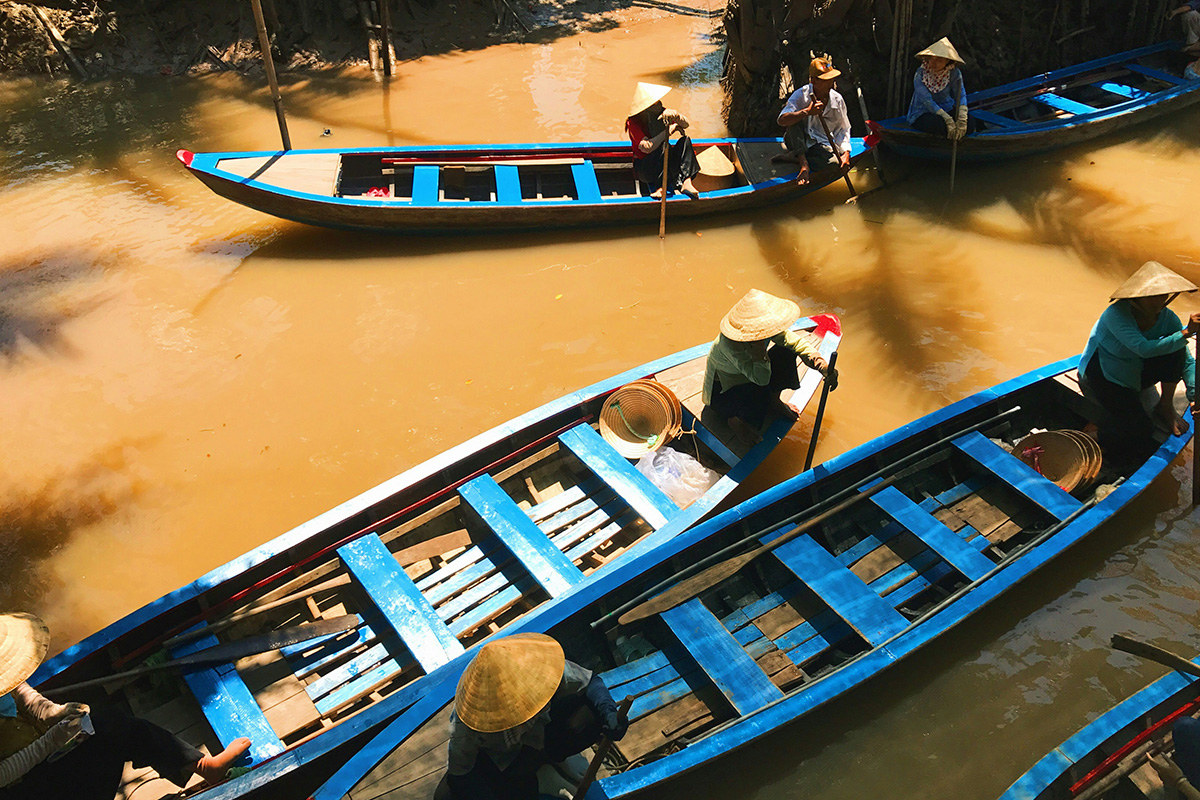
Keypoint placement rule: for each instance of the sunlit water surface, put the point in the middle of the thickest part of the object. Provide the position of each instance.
(183, 378)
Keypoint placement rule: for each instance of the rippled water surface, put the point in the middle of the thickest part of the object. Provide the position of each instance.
(183, 378)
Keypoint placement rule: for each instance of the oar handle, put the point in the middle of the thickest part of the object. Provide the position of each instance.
(602, 748)
(1154, 653)
(837, 151)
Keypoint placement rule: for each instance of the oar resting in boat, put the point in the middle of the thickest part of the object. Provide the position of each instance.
(521, 706)
(49, 749)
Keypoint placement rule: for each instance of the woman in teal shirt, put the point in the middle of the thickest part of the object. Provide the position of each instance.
(1137, 343)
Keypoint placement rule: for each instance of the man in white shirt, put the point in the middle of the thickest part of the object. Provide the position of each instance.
(806, 138)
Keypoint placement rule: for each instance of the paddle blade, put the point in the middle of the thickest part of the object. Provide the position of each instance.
(1152, 652)
(685, 590)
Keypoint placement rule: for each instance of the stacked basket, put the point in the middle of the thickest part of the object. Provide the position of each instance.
(1070, 458)
(640, 417)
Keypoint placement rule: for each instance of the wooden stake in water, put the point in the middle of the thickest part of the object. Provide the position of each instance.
(1195, 461)
(385, 35)
(264, 42)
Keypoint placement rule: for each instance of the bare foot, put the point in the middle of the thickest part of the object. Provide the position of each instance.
(1175, 423)
(690, 190)
(656, 194)
(802, 178)
(213, 768)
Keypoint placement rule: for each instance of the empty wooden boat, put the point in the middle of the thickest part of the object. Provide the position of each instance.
(416, 570)
(1060, 108)
(489, 188)
(1109, 757)
(875, 553)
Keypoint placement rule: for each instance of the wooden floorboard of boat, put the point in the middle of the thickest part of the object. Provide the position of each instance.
(311, 173)
(755, 161)
(409, 761)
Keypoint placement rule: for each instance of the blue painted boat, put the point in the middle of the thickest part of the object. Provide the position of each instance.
(489, 188)
(421, 568)
(1060, 108)
(1108, 758)
(883, 549)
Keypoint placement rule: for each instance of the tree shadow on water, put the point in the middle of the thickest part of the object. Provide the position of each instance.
(30, 312)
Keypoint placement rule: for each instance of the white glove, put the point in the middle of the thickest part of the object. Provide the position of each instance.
(951, 125)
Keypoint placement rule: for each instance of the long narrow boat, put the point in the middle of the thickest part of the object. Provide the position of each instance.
(417, 570)
(487, 188)
(1060, 108)
(1108, 758)
(881, 550)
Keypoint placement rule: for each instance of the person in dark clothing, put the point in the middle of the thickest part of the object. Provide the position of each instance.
(1136, 344)
(1182, 772)
(53, 751)
(649, 128)
(520, 705)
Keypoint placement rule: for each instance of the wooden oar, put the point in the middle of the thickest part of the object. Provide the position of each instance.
(954, 144)
(812, 442)
(662, 203)
(1195, 439)
(830, 501)
(837, 152)
(224, 653)
(602, 748)
(1155, 653)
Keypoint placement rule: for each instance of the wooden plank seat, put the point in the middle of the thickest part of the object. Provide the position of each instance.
(404, 609)
(995, 119)
(1017, 474)
(720, 657)
(607, 464)
(1121, 89)
(966, 559)
(1156, 74)
(497, 511)
(1064, 104)
(228, 705)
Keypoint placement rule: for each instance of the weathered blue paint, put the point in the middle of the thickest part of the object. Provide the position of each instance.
(585, 182)
(1122, 90)
(1064, 104)
(966, 559)
(1017, 474)
(612, 468)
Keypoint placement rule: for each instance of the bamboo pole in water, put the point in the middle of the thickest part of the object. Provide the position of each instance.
(264, 42)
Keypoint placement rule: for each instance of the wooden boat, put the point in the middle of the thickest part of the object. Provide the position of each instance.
(1108, 758)
(1060, 108)
(419, 568)
(882, 550)
(487, 188)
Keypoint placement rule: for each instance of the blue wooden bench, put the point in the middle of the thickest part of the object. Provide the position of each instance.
(943, 541)
(425, 184)
(996, 119)
(841, 590)
(1017, 474)
(587, 188)
(1064, 104)
(609, 466)
(1122, 90)
(508, 183)
(228, 705)
(1157, 74)
(498, 512)
(401, 605)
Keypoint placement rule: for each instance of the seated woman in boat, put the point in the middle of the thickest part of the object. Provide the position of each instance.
(1138, 343)
(1189, 14)
(755, 358)
(1183, 771)
(939, 103)
(520, 706)
(817, 125)
(649, 127)
(68, 751)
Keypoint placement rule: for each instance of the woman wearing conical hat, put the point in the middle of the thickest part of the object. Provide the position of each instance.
(939, 103)
(52, 751)
(649, 127)
(520, 705)
(754, 358)
(1138, 343)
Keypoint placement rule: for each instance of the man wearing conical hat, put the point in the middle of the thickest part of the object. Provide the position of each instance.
(649, 127)
(51, 751)
(754, 359)
(939, 102)
(805, 137)
(1138, 343)
(521, 705)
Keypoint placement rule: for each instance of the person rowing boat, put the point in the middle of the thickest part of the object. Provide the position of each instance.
(649, 127)
(817, 124)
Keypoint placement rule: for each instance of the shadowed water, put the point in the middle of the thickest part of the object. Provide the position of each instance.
(182, 378)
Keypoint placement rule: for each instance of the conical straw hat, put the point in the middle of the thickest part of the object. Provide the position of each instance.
(759, 315)
(1151, 279)
(942, 49)
(713, 162)
(24, 639)
(646, 95)
(1057, 456)
(640, 417)
(1095, 458)
(509, 681)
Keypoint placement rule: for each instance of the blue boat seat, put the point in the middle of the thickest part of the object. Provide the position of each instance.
(586, 186)
(1122, 90)
(402, 606)
(943, 541)
(607, 464)
(840, 589)
(495, 510)
(1064, 104)
(508, 183)
(1156, 74)
(425, 184)
(228, 705)
(1017, 474)
(722, 660)
(996, 119)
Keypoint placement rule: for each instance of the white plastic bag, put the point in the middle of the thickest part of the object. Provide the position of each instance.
(680, 476)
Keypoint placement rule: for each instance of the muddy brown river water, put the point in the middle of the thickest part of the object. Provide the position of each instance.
(182, 378)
